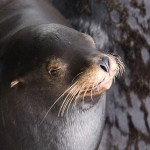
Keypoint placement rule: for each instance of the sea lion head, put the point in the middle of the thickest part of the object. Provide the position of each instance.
(56, 66)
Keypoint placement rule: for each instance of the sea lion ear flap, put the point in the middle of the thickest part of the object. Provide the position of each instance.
(14, 83)
(88, 38)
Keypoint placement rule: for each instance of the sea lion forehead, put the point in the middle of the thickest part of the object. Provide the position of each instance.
(57, 29)
(65, 35)
(59, 40)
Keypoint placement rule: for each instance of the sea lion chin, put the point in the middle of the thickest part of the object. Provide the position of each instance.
(52, 81)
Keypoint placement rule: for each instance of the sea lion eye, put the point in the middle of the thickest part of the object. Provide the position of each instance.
(56, 68)
(54, 71)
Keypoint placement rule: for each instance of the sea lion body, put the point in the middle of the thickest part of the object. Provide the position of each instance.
(46, 65)
(18, 14)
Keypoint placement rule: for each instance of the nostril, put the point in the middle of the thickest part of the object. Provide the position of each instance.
(104, 64)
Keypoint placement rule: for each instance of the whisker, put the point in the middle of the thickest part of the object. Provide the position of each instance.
(76, 76)
(67, 102)
(66, 99)
(92, 91)
(97, 86)
(75, 101)
(56, 102)
(71, 102)
(67, 96)
(85, 92)
(121, 67)
(71, 98)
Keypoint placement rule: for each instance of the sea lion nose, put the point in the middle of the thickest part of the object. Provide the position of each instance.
(104, 64)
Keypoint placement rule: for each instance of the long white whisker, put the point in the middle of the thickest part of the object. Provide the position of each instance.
(91, 92)
(66, 98)
(85, 92)
(56, 102)
(76, 76)
(79, 94)
(70, 102)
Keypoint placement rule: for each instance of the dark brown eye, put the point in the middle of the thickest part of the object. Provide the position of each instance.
(54, 71)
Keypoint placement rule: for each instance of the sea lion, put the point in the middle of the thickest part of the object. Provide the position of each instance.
(52, 81)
